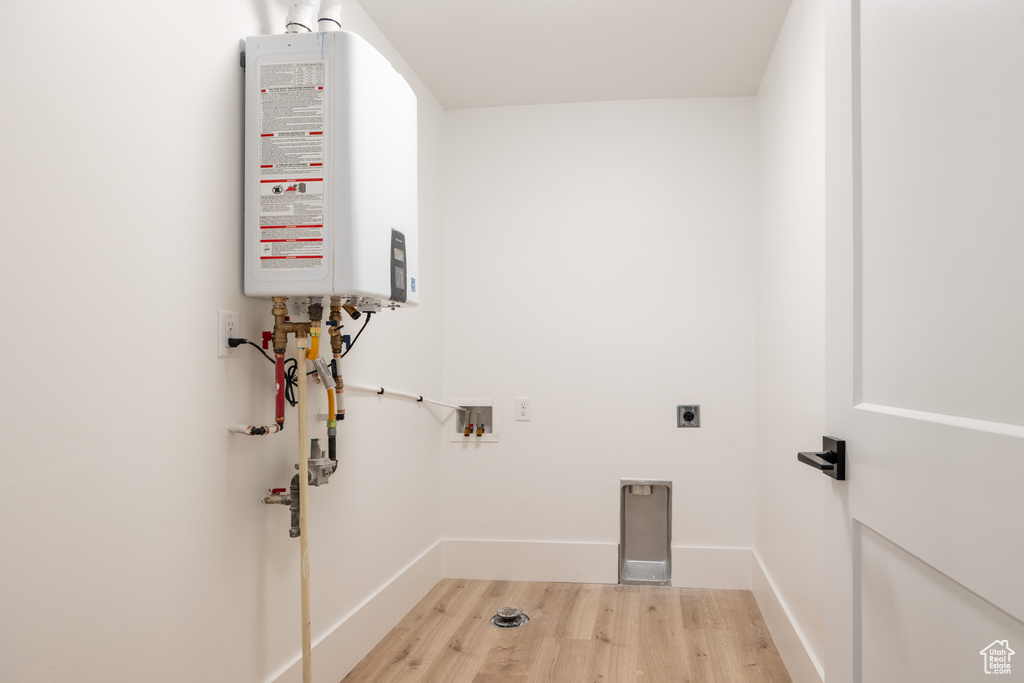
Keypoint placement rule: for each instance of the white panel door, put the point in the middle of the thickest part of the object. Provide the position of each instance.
(929, 274)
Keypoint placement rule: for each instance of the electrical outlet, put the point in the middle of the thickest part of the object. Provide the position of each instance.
(523, 409)
(688, 416)
(227, 327)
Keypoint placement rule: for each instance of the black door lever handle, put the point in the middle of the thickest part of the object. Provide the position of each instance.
(832, 459)
(819, 461)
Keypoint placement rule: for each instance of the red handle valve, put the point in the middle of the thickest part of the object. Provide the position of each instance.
(267, 338)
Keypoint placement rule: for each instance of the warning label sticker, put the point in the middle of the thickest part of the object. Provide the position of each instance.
(291, 165)
(292, 223)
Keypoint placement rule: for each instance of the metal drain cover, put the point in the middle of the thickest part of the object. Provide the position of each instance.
(509, 617)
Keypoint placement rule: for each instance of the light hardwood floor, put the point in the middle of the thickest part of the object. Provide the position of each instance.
(577, 633)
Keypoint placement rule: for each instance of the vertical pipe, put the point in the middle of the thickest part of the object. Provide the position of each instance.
(301, 17)
(330, 16)
(307, 670)
(279, 400)
(332, 427)
(336, 342)
(339, 389)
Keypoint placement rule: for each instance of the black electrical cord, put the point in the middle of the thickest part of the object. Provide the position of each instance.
(291, 366)
(291, 380)
(238, 341)
(352, 343)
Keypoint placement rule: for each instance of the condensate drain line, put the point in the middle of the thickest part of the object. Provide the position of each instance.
(415, 397)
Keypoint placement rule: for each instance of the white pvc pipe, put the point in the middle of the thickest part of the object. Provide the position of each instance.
(390, 392)
(330, 15)
(301, 16)
(247, 429)
(307, 650)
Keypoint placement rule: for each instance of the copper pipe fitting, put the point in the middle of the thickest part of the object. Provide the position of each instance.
(335, 330)
(282, 328)
(280, 317)
(316, 311)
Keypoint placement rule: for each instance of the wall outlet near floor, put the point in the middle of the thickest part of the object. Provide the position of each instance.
(227, 327)
(523, 413)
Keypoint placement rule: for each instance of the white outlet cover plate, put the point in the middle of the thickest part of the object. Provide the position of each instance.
(523, 410)
(227, 326)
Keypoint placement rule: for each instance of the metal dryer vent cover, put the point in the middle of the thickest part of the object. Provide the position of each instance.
(509, 617)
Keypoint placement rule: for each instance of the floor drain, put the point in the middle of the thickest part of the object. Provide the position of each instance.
(509, 617)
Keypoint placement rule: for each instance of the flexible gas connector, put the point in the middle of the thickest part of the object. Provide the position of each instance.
(316, 314)
(313, 352)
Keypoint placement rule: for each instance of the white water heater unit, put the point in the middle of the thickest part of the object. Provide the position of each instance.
(330, 171)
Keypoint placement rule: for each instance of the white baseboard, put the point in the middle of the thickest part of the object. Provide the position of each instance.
(356, 633)
(567, 562)
(694, 567)
(803, 667)
(573, 562)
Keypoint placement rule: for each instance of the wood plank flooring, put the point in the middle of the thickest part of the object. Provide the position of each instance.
(578, 633)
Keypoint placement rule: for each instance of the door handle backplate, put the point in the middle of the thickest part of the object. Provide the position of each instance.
(832, 459)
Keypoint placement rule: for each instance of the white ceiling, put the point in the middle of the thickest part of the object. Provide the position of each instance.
(486, 53)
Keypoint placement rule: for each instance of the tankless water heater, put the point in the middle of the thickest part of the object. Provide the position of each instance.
(330, 171)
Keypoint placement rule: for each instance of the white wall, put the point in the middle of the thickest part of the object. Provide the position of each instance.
(789, 527)
(599, 258)
(133, 545)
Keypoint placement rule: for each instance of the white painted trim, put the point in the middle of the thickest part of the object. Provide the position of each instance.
(576, 562)
(345, 644)
(800, 661)
(1001, 428)
(561, 561)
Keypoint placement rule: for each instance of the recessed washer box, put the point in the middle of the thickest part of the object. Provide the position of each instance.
(330, 171)
(479, 410)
